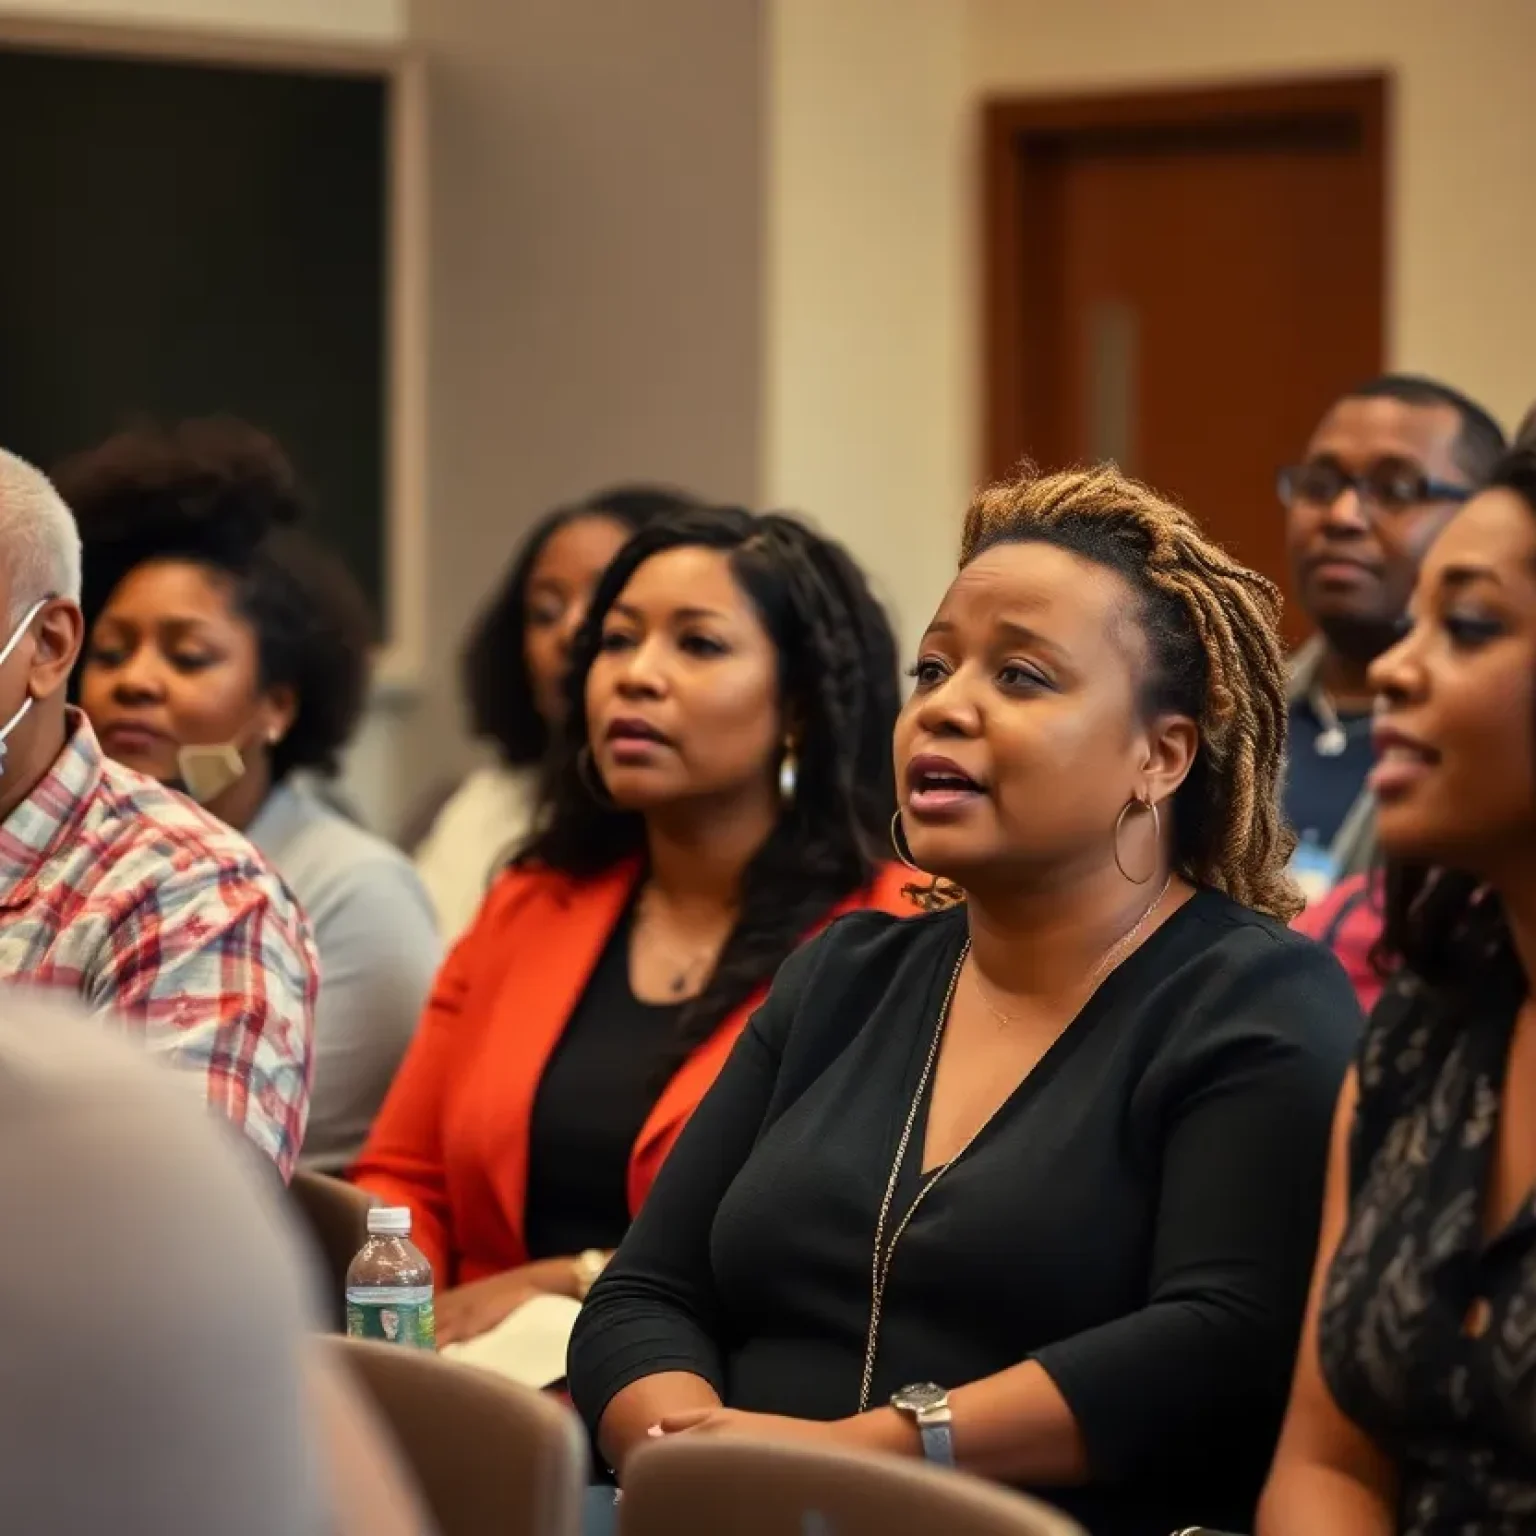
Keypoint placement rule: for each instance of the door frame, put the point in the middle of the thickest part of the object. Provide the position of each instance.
(1019, 216)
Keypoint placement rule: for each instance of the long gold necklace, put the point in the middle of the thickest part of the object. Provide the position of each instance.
(885, 1252)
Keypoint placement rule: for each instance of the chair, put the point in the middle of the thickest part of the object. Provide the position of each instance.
(491, 1458)
(688, 1486)
(335, 1215)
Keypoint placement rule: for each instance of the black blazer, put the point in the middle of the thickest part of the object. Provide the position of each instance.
(1139, 1217)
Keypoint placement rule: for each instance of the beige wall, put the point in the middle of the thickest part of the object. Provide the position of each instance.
(873, 321)
(869, 403)
(596, 312)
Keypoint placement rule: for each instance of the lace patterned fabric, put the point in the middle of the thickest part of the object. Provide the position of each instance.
(1427, 1334)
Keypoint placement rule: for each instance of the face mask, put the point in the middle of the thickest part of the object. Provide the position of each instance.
(5, 654)
(206, 772)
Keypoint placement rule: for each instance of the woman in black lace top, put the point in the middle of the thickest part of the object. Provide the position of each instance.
(1414, 1406)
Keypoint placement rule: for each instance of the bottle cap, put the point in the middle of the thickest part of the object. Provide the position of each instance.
(389, 1221)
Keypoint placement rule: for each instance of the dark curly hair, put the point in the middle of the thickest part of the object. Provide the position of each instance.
(494, 665)
(1212, 631)
(1444, 925)
(221, 494)
(838, 680)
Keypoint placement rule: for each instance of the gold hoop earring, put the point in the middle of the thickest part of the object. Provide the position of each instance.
(1138, 804)
(902, 853)
(592, 780)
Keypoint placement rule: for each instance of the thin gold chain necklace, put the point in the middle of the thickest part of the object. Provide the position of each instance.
(684, 964)
(1123, 942)
(885, 1252)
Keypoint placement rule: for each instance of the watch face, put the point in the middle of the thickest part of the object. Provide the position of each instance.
(919, 1398)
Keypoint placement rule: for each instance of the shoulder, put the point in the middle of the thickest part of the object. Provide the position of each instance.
(1419, 1064)
(174, 883)
(1406, 1041)
(494, 804)
(838, 977)
(1235, 980)
(332, 863)
(1240, 947)
(891, 891)
(162, 842)
(532, 896)
(873, 935)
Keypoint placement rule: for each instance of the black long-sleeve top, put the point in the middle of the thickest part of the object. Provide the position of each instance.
(1139, 1217)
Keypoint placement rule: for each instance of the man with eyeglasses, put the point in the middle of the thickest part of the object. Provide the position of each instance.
(1386, 469)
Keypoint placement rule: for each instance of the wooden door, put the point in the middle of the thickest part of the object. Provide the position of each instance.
(1182, 282)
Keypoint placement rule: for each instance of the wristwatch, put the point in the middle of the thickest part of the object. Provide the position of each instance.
(928, 1408)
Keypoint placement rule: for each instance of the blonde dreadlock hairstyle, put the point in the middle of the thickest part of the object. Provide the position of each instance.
(1213, 642)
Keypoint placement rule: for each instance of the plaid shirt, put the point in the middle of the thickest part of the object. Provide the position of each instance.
(125, 892)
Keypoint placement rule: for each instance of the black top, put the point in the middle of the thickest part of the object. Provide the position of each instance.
(1320, 791)
(1426, 1334)
(602, 1081)
(1139, 1216)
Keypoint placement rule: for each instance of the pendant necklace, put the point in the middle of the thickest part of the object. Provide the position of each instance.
(687, 963)
(1332, 740)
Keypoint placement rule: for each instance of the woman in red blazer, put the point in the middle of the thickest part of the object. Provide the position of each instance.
(723, 792)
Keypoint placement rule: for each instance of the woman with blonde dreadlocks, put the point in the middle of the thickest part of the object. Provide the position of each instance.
(1031, 1183)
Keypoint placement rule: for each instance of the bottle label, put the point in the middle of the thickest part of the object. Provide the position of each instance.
(396, 1314)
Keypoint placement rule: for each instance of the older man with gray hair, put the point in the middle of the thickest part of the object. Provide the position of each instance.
(182, 1392)
(123, 891)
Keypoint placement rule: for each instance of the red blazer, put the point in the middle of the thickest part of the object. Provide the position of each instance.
(451, 1140)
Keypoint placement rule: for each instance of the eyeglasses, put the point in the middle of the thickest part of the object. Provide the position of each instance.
(1382, 487)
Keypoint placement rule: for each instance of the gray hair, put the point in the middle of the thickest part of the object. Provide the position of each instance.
(39, 541)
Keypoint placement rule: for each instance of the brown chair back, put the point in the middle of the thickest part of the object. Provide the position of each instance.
(687, 1486)
(491, 1458)
(334, 1215)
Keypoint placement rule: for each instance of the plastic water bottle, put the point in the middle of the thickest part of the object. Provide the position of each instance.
(389, 1284)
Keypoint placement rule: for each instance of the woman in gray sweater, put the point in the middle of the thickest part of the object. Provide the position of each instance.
(228, 654)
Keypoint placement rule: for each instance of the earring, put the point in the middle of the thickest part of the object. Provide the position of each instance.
(592, 780)
(1136, 803)
(896, 843)
(788, 776)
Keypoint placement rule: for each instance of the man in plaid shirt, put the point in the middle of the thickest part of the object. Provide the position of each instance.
(122, 890)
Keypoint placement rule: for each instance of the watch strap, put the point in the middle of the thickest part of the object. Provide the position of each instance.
(938, 1443)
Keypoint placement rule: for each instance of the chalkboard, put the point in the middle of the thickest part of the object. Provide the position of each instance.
(181, 239)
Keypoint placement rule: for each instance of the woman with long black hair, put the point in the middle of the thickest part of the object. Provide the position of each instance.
(1414, 1404)
(513, 676)
(722, 789)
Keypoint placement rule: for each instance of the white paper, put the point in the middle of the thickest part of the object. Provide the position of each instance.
(529, 1346)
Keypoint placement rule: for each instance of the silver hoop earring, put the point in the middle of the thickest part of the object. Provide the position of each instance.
(592, 780)
(896, 843)
(1157, 837)
(789, 776)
